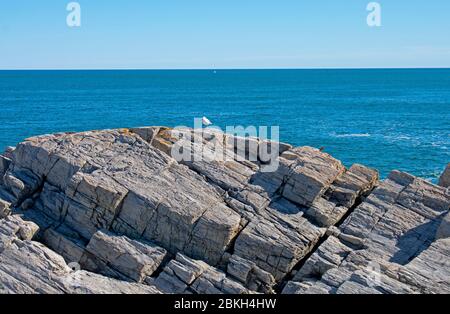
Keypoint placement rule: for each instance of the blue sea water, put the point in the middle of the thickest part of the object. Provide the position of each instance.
(387, 119)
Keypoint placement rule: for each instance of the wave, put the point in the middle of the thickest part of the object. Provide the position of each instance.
(351, 135)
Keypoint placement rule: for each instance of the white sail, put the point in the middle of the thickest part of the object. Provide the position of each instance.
(206, 121)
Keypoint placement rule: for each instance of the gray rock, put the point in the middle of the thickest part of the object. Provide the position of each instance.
(133, 259)
(444, 180)
(312, 172)
(8, 152)
(29, 267)
(4, 208)
(4, 165)
(83, 282)
(185, 275)
(387, 245)
(124, 207)
(355, 182)
(65, 243)
(15, 226)
(443, 231)
(273, 247)
(146, 133)
(249, 274)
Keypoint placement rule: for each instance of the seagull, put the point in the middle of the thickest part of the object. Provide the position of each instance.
(206, 121)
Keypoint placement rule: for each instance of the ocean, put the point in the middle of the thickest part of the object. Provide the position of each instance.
(384, 118)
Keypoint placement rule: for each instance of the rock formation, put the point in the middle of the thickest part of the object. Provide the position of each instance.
(444, 180)
(113, 212)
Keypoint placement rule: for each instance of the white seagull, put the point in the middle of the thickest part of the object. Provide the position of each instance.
(206, 121)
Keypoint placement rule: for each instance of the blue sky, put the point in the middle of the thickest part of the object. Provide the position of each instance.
(223, 34)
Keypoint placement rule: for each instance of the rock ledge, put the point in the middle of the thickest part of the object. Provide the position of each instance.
(113, 212)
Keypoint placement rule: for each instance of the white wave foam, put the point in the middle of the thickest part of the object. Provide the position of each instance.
(351, 135)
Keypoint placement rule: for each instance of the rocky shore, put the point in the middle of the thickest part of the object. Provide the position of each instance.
(113, 212)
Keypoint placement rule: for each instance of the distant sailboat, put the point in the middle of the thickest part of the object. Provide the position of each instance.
(205, 121)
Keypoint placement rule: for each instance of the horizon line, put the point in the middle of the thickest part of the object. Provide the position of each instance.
(224, 69)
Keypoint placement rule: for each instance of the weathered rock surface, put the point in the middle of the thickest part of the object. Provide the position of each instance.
(234, 215)
(444, 180)
(133, 259)
(30, 267)
(396, 241)
(185, 275)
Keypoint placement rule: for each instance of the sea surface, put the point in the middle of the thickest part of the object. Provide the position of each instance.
(386, 119)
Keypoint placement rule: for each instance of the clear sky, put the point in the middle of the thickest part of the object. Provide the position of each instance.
(223, 34)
